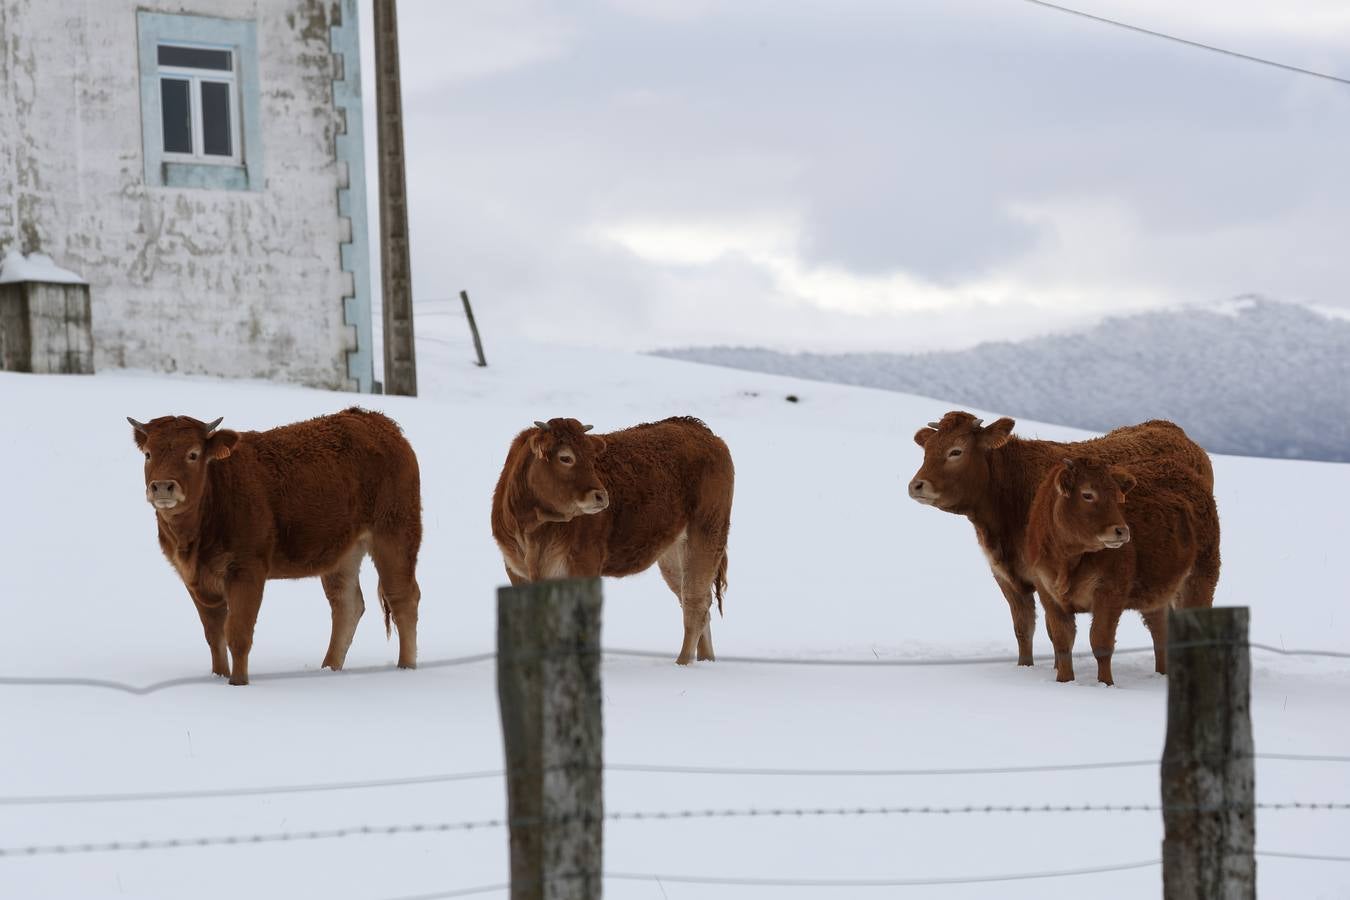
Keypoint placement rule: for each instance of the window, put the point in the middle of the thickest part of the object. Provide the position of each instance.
(200, 110)
(199, 103)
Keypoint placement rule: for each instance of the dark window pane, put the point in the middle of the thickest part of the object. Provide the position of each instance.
(216, 119)
(173, 96)
(195, 58)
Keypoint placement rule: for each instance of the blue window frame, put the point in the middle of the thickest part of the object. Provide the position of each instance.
(200, 119)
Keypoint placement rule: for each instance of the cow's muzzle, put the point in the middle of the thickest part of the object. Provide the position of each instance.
(922, 492)
(594, 501)
(164, 494)
(1115, 537)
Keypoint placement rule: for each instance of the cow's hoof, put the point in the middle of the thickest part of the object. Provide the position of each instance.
(1025, 661)
(238, 682)
(1064, 679)
(682, 661)
(411, 665)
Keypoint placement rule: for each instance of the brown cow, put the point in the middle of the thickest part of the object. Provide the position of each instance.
(1092, 550)
(573, 505)
(235, 509)
(989, 476)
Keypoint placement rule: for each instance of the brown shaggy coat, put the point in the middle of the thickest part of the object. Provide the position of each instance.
(1103, 539)
(989, 476)
(235, 509)
(572, 505)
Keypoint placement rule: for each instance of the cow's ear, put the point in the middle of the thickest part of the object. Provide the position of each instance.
(1124, 480)
(138, 433)
(598, 445)
(922, 435)
(1065, 477)
(996, 433)
(537, 443)
(221, 444)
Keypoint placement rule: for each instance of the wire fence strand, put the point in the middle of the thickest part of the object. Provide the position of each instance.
(74, 849)
(630, 768)
(620, 652)
(733, 881)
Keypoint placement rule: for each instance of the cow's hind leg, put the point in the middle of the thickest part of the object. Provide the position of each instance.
(343, 587)
(1197, 592)
(244, 592)
(395, 558)
(701, 556)
(1155, 620)
(672, 566)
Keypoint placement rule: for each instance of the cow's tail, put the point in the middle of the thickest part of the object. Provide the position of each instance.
(384, 605)
(720, 583)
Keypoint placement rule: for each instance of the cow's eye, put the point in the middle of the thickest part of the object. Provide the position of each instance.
(566, 460)
(147, 454)
(954, 453)
(192, 455)
(1089, 496)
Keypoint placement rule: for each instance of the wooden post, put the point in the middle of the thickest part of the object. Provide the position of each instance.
(1208, 777)
(548, 688)
(473, 327)
(400, 355)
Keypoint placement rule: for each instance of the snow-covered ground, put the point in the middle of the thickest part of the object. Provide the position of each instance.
(828, 558)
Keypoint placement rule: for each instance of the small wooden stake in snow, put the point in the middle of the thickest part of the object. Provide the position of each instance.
(548, 688)
(473, 327)
(1208, 777)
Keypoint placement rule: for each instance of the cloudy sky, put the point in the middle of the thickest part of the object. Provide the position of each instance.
(867, 174)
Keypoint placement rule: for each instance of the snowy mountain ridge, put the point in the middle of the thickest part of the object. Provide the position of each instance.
(1250, 376)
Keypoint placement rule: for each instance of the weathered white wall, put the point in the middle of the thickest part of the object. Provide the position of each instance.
(237, 283)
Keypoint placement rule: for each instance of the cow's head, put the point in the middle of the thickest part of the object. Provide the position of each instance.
(177, 451)
(955, 471)
(562, 467)
(1087, 512)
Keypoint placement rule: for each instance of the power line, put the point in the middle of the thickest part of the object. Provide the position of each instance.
(1180, 40)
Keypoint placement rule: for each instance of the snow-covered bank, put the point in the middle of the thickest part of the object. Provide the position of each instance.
(827, 558)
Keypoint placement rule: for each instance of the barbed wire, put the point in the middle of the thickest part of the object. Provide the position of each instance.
(635, 768)
(645, 816)
(936, 661)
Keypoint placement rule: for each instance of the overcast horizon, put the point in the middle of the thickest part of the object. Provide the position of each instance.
(865, 175)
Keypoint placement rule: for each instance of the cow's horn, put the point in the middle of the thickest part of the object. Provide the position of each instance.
(139, 426)
(214, 425)
(978, 423)
(933, 425)
(587, 427)
(543, 425)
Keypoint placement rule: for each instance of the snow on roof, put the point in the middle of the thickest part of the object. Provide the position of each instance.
(35, 267)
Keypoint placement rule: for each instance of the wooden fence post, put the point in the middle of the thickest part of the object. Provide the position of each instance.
(1208, 776)
(548, 688)
(473, 327)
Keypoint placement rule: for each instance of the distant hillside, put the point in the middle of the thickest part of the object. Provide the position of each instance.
(1253, 377)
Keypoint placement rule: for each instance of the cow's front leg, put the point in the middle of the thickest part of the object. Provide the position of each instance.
(1062, 627)
(1022, 605)
(211, 610)
(245, 590)
(1105, 619)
